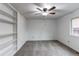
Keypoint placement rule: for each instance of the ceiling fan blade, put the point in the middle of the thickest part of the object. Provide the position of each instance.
(39, 9)
(52, 8)
(52, 13)
(37, 13)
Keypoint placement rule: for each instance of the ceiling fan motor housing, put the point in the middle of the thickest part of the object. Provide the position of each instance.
(44, 9)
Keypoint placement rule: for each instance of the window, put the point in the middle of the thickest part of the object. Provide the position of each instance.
(75, 27)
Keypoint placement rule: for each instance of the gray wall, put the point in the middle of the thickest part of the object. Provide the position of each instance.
(63, 31)
(41, 29)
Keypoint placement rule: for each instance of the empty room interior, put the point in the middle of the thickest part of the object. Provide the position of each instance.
(39, 29)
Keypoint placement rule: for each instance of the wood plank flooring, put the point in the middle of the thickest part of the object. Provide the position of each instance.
(45, 48)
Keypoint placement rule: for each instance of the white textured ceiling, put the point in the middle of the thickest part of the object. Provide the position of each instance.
(28, 9)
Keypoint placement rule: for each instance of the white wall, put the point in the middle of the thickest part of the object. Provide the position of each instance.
(63, 31)
(41, 29)
(21, 30)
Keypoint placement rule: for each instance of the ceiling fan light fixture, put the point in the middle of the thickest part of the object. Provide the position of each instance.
(44, 13)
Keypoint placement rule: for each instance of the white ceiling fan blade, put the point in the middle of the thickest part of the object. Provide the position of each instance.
(39, 9)
(37, 14)
(39, 6)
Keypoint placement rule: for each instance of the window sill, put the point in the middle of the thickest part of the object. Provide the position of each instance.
(75, 35)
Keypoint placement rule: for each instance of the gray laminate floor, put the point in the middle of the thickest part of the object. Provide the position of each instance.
(45, 48)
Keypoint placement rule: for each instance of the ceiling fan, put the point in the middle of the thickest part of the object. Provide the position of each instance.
(46, 11)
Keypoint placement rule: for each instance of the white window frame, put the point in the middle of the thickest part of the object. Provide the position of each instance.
(71, 30)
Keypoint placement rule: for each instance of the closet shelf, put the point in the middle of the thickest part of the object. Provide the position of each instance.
(7, 14)
(8, 22)
(7, 35)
